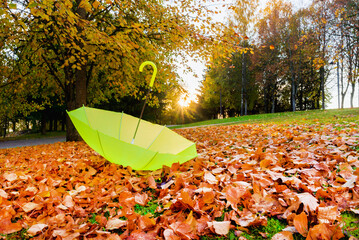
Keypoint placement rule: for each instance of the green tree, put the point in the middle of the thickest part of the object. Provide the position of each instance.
(86, 44)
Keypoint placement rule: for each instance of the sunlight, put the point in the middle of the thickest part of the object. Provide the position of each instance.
(184, 101)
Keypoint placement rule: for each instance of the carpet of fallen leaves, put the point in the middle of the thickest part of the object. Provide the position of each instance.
(243, 175)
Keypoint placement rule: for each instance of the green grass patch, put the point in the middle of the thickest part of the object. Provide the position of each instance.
(20, 235)
(265, 232)
(231, 236)
(261, 232)
(351, 224)
(298, 117)
(150, 207)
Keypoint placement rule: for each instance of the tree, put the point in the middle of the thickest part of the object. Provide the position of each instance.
(86, 44)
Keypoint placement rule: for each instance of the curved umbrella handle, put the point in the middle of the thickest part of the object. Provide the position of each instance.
(154, 70)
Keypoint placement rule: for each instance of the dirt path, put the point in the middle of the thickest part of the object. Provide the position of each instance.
(30, 142)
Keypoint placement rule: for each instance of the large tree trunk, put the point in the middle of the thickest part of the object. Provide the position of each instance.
(76, 98)
(77, 92)
(244, 80)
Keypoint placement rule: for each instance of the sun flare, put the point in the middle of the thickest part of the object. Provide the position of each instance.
(184, 101)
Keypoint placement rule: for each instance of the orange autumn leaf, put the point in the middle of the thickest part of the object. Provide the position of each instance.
(221, 228)
(141, 199)
(36, 229)
(170, 235)
(224, 181)
(325, 231)
(6, 225)
(28, 207)
(284, 235)
(145, 223)
(115, 223)
(301, 223)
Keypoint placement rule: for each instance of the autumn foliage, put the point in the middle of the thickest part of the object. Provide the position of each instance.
(305, 175)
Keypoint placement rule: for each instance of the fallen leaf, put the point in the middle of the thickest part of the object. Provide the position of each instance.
(210, 178)
(170, 235)
(141, 199)
(328, 214)
(10, 176)
(309, 201)
(301, 223)
(115, 223)
(35, 229)
(6, 225)
(325, 231)
(28, 207)
(3, 194)
(68, 201)
(221, 228)
(284, 235)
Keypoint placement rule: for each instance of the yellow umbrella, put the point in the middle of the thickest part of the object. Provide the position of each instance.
(130, 141)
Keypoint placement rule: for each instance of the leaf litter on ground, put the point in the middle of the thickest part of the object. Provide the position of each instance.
(244, 175)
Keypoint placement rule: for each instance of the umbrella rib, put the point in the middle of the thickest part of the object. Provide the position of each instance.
(150, 160)
(119, 132)
(86, 116)
(155, 138)
(99, 140)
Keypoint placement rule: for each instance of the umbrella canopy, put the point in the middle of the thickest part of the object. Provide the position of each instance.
(111, 133)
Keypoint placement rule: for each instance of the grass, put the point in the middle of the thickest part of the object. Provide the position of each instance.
(299, 117)
(149, 208)
(20, 235)
(351, 223)
(34, 136)
(350, 228)
(261, 233)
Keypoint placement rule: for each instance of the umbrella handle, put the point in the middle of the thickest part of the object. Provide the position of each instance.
(154, 70)
(151, 84)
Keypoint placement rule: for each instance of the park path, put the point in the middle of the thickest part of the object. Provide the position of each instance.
(30, 142)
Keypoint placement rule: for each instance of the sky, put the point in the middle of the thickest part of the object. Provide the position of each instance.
(192, 83)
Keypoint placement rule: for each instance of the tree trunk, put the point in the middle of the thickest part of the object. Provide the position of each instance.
(43, 123)
(77, 92)
(244, 80)
(321, 72)
(14, 126)
(352, 94)
(55, 124)
(51, 125)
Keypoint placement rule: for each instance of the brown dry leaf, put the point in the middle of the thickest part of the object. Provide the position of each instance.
(309, 201)
(145, 223)
(182, 229)
(151, 182)
(301, 223)
(284, 235)
(36, 229)
(28, 207)
(170, 235)
(141, 199)
(328, 214)
(6, 225)
(221, 228)
(325, 231)
(274, 169)
(210, 178)
(10, 176)
(3, 194)
(68, 202)
(115, 223)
